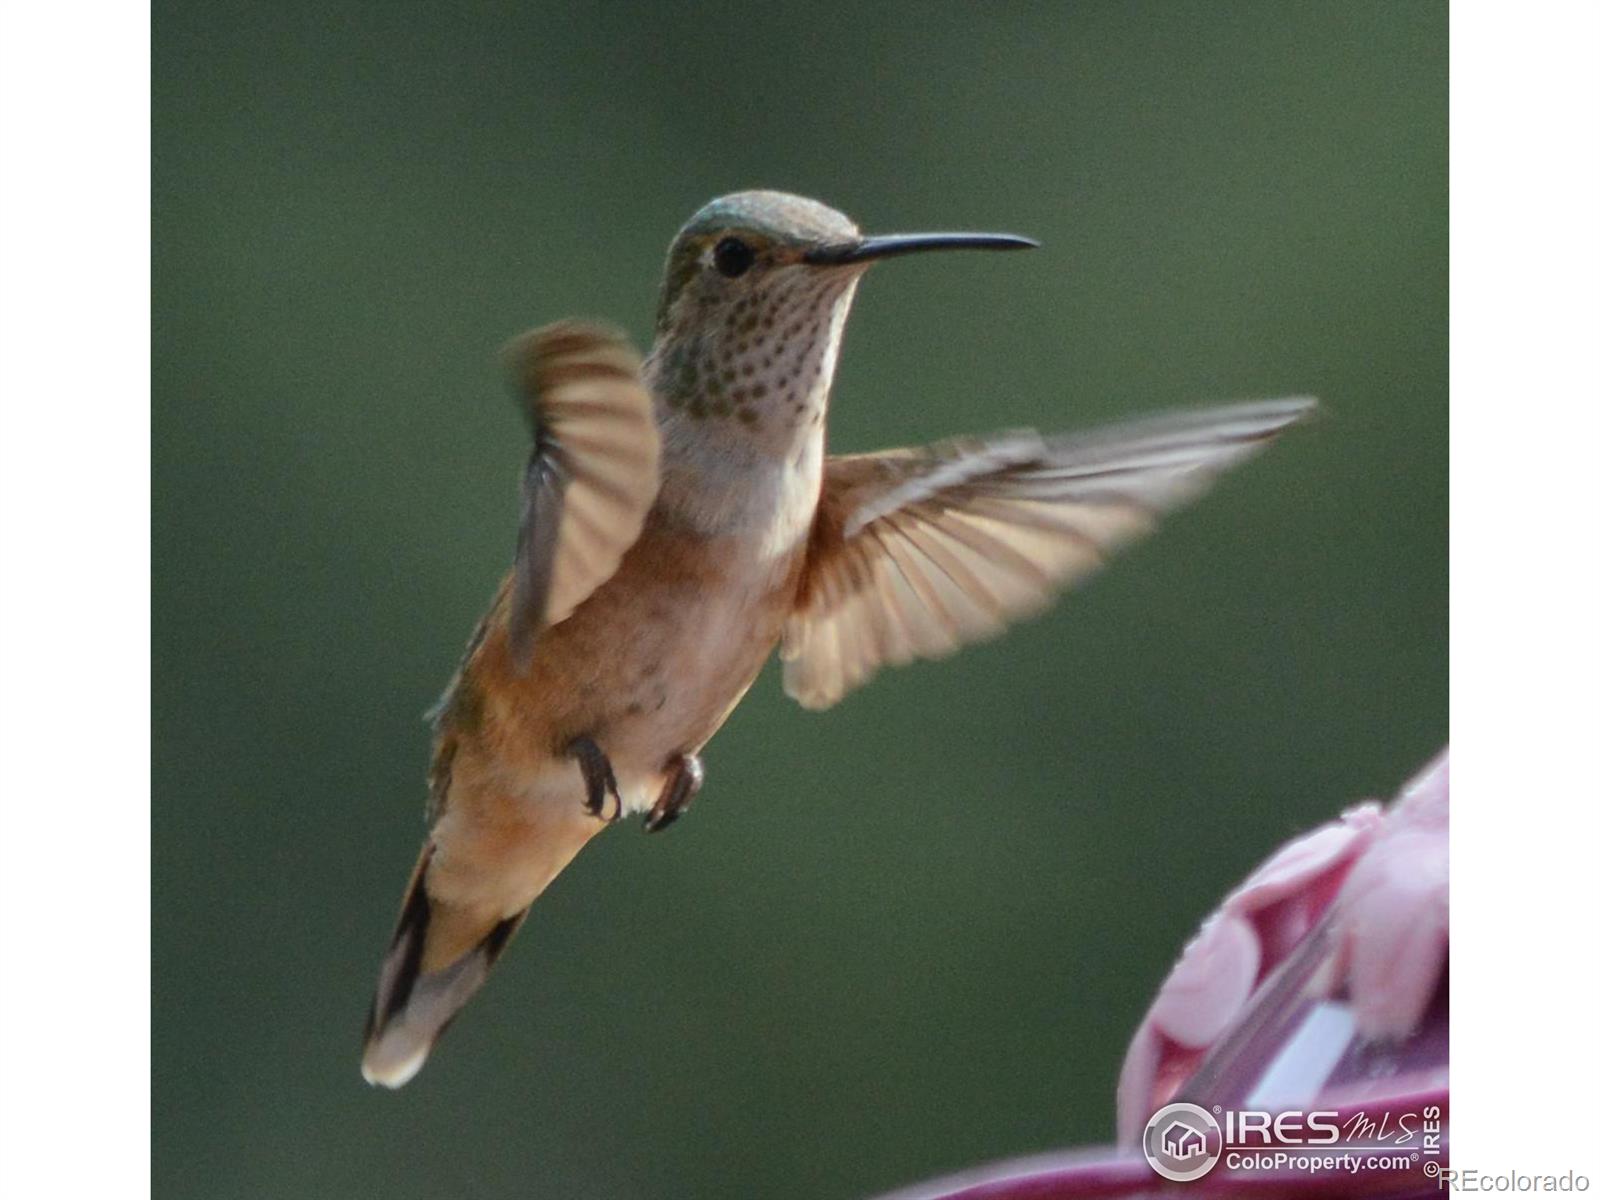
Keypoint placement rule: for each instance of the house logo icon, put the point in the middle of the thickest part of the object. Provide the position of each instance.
(1182, 1142)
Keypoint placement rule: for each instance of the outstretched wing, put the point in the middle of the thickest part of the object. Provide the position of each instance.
(916, 552)
(593, 473)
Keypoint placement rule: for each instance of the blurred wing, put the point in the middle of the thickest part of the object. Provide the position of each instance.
(917, 552)
(592, 475)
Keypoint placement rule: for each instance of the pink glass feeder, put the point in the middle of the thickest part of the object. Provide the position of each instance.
(1319, 984)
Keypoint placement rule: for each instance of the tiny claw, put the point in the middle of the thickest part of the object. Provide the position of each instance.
(683, 783)
(598, 777)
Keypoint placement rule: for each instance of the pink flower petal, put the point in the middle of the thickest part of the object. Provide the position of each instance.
(1396, 927)
(1210, 984)
(1299, 862)
(1425, 800)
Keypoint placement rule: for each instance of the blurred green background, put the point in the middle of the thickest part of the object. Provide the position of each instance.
(893, 939)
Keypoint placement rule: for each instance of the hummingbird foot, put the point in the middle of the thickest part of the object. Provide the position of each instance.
(598, 777)
(683, 784)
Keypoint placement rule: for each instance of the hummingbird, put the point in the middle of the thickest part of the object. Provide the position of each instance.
(680, 519)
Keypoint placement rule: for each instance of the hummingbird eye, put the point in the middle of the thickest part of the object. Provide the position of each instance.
(732, 257)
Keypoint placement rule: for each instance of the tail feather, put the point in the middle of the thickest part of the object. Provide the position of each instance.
(439, 957)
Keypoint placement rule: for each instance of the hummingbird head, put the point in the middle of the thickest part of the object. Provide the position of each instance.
(753, 304)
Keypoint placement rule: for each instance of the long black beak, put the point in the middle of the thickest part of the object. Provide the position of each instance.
(867, 249)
